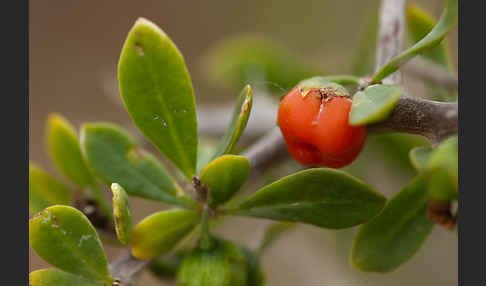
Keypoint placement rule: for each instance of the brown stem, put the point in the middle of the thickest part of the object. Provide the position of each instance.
(432, 119)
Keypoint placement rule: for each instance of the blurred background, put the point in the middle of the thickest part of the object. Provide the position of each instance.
(74, 49)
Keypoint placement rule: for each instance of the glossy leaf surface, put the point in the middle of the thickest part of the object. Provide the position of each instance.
(224, 176)
(65, 238)
(160, 232)
(323, 197)
(157, 90)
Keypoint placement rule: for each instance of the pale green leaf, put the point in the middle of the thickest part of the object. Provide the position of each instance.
(419, 156)
(161, 231)
(374, 104)
(121, 213)
(443, 172)
(54, 277)
(65, 238)
(66, 152)
(323, 197)
(224, 176)
(397, 233)
(157, 90)
(45, 191)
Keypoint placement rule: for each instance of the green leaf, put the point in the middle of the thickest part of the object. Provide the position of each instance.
(45, 191)
(66, 152)
(447, 21)
(114, 157)
(241, 114)
(419, 156)
(420, 23)
(275, 231)
(157, 90)
(397, 233)
(121, 213)
(65, 238)
(374, 104)
(256, 60)
(323, 197)
(443, 171)
(224, 176)
(54, 277)
(222, 265)
(343, 79)
(322, 83)
(161, 231)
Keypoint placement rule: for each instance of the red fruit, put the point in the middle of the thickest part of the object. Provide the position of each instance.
(315, 127)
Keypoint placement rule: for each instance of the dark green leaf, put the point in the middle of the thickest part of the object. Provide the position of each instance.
(45, 191)
(65, 238)
(397, 233)
(323, 197)
(224, 176)
(443, 170)
(66, 152)
(157, 90)
(160, 232)
(54, 277)
(240, 117)
(222, 265)
(121, 213)
(374, 104)
(447, 21)
(237, 61)
(114, 157)
(419, 157)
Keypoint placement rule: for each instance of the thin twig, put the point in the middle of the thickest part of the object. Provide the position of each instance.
(432, 72)
(126, 268)
(391, 36)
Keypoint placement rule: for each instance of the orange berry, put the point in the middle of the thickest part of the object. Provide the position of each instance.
(316, 130)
